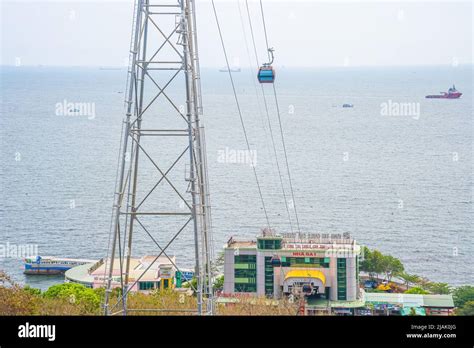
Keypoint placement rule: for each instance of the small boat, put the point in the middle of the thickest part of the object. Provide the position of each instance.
(51, 265)
(347, 105)
(111, 68)
(452, 93)
(232, 69)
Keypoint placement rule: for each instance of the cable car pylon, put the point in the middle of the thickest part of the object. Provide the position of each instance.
(163, 53)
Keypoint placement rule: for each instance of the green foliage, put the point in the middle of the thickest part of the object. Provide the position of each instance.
(390, 266)
(375, 290)
(417, 290)
(219, 283)
(438, 288)
(462, 295)
(76, 294)
(217, 266)
(32, 291)
(408, 278)
(376, 263)
(466, 309)
(191, 284)
(372, 262)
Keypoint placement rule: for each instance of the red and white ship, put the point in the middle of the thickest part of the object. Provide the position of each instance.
(452, 93)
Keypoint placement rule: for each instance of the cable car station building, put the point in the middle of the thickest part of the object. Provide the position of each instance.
(319, 265)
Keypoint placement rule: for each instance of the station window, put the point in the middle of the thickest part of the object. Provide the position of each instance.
(341, 279)
(321, 262)
(245, 273)
(269, 244)
(146, 285)
(268, 276)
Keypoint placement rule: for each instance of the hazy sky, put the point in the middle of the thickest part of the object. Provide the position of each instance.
(304, 33)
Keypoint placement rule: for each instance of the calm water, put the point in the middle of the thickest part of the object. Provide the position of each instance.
(402, 184)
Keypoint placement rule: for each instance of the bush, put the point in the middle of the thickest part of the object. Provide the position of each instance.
(417, 290)
(466, 309)
(438, 288)
(32, 291)
(219, 283)
(86, 299)
(462, 295)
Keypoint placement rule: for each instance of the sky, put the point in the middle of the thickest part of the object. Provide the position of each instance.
(303, 33)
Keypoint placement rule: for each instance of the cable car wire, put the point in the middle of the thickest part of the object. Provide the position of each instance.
(280, 124)
(239, 110)
(268, 120)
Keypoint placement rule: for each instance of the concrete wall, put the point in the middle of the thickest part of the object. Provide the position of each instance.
(229, 271)
(332, 279)
(260, 274)
(351, 279)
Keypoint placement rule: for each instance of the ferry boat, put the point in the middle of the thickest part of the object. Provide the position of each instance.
(452, 93)
(51, 265)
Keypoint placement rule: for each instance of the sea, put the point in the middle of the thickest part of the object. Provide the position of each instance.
(393, 169)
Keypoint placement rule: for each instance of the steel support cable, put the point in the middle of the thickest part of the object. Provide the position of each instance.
(268, 119)
(265, 30)
(280, 125)
(252, 78)
(239, 110)
(286, 160)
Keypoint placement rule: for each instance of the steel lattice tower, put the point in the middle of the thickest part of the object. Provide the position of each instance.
(162, 125)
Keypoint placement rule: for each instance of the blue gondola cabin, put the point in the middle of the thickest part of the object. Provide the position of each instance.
(266, 74)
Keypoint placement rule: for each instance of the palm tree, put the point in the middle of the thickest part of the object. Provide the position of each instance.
(408, 278)
(423, 282)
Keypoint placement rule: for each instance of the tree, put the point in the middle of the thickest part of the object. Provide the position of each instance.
(462, 295)
(408, 278)
(372, 263)
(191, 284)
(438, 288)
(219, 283)
(423, 282)
(76, 294)
(466, 309)
(417, 290)
(390, 266)
(217, 266)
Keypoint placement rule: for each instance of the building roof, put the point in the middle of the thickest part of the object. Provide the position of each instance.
(232, 243)
(80, 274)
(438, 300)
(323, 303)
(306, 273)
(410, 300)
(137, 267)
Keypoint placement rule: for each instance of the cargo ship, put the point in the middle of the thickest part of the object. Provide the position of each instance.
(452, 93)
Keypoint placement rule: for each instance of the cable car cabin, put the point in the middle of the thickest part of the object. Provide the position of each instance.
(266, 74)
(275, 261)
(307, 289)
